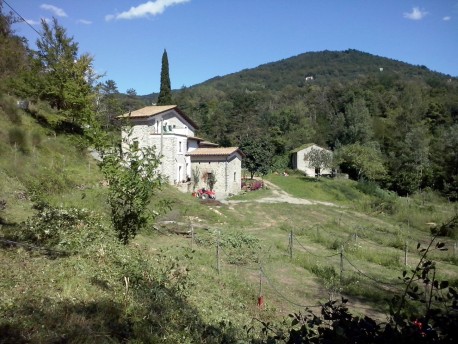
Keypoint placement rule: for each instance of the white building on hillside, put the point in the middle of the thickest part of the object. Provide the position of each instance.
(300, 162)
(172, 133)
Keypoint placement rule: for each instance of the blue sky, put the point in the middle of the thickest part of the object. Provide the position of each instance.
(207, 38)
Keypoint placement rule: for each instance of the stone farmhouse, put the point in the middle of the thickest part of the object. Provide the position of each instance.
(299, 162)
(185, 157)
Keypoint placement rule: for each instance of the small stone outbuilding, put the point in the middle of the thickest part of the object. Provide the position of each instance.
(222, 164)
(299, 162)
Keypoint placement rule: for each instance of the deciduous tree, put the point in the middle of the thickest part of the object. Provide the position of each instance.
(109, 104)
(13, 52)
(65, 78)
(133, 180)
(258, 155)
(319, 159)
(366, 160)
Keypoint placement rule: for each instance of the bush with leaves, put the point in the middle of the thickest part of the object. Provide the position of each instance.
(133, 177)
(9, 107)
(238, 247)
(18, 139)
(69, 229)
(449, 229)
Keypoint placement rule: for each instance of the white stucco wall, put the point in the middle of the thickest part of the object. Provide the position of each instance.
(173, 123)
(302, 165)
(175, 165)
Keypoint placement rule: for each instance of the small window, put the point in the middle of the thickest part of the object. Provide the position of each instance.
(179, 146)
(235, 176)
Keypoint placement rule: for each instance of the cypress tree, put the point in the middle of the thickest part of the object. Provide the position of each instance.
(165, 94)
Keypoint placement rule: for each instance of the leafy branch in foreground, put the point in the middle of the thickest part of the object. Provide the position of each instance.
(133, 177)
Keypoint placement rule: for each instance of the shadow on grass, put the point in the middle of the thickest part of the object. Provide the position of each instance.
(309, 179)
(151, 313)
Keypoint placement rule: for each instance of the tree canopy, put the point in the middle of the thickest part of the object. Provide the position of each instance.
(258, 155)
(64, 80)
(319, 158)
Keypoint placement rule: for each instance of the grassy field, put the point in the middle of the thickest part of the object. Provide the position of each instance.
(171, 286)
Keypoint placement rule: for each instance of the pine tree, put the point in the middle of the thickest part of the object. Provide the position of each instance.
(165, 94)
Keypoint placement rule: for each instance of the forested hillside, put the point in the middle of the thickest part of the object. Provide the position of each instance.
(402, 116)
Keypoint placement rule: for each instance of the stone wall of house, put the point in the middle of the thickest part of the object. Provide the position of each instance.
(171, 132)
(174, 163)
(226, 170)
(234, 182)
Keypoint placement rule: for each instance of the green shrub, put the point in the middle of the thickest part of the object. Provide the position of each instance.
(17, 138)
(9, 108)
(324, 272)
(383, 201)
(36, 139)
(447, 229)
(238, 247)
(64, 228)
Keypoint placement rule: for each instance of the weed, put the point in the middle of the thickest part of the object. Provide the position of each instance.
(18, 139)
(9, 107)
(36, 139)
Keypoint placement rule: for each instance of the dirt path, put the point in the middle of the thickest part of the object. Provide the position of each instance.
(279, 196)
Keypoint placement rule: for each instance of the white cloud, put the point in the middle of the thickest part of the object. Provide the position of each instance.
(84, 21)
(416, 14)
(446, 18)
(59, 12)
(150, 8)
(32, 22)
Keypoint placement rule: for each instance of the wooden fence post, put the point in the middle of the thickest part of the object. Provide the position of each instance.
(217, 255)
(341, 263)
(260, 297)
(405, 253)
(291, 245)
(192, 236)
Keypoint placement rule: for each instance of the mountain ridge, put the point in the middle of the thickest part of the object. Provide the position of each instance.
(323, 66)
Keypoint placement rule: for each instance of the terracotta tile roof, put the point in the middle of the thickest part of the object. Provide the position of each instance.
(147, 111)
(222, 151)
(305, 146)
(195, 138)
(153, 110)
(208, 144)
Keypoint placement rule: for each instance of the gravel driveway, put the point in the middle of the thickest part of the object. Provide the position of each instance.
(279, 196)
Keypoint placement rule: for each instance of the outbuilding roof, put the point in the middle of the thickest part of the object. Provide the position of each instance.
(304, 146)
(154, 110)
(210, 151)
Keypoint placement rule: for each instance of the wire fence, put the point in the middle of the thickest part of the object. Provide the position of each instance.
(294, 244)
(258, 267)
(314, 254)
